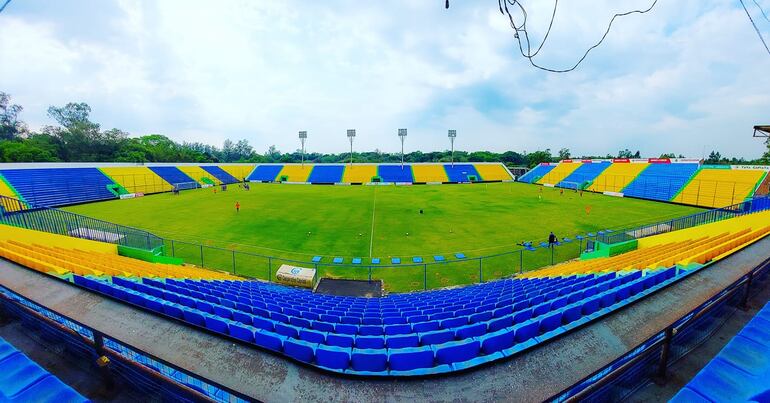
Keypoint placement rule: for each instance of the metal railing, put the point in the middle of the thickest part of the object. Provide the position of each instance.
(21, 214)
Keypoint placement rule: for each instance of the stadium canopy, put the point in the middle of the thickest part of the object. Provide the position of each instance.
(762, 131)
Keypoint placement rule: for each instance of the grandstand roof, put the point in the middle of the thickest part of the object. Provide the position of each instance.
(762, 131)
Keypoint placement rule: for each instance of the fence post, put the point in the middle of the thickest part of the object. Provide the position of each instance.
(521, 261)
(481, 276)
(370, 274)
(745, 299)
(173, 253)
(201, 255)
(233, 261)
(102, 362)
(552, 248)
(425, 277)
(664, 353)
(269, 269)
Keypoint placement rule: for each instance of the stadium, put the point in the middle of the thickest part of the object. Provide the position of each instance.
(151, 268)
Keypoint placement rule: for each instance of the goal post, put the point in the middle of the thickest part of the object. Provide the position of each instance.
(186, 185)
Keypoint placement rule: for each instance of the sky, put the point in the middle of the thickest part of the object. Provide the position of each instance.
(689, 77)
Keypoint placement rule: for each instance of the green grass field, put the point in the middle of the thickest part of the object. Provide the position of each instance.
(295, 222)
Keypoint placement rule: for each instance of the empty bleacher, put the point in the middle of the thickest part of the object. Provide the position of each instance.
(359, 173)
(741, 370)
(59, 186)
(7, 191)
(173, 175)
(199, 175)
(220, 174)
(461, 172)
(534, 174)
(295, 173)
(493, 172)
(23, 380)
(240, 172)
(558, 174)
(424, 173)
(581, 177)
(326, 174)
(719, 187)
(265, 173)
(137, 179)
(661, 181)
(617, 176)
(396, 173)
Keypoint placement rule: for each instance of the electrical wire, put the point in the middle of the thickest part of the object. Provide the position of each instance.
(4, 4)
(758, 6)
(759, 33)
(521, 30)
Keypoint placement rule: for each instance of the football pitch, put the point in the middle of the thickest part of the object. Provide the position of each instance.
(293, 223)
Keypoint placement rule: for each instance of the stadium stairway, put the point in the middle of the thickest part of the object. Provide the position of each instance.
(558, 174)
(359, 173)
(23, 380)
(239, 172)
(741, 370)
(719, 187)
(59, 186)
(327, 174)
(583, 175)
(617, 176)
(661, 181)
(199, 175)
(462, 172)
(295, 173)
(493, 172)
(396, 173)
(536, 173)
(221, 175)
(173, 175)
(137, 179)
(428, 173)
(265, 173)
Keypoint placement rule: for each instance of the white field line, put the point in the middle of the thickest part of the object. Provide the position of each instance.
(371, 236)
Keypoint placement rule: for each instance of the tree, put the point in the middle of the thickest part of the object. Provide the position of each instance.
(11, 127)
(637, 154)
(625, 154)
(669, 155)
(538, 157)
(714, 158)
(564, 154)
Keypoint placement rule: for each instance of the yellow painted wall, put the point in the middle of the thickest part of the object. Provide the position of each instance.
(493, 172)
(754, 221)
(8, 232)
(617, 176)
(296, 173)
(238, 171)
(359, 173)
(719, 187)
(559, 173)
(198, 173)
(429, 173)
(137, 179)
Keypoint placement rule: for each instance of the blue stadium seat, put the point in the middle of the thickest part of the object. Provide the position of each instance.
(395, 173)
(498, 341)
(220, 174)
(661, 181)
(583, 175)
(326, 174)
(411, 340)
(457, 351)
(300, 350)
(461, 172)
(408, 359)
(370, 342)
(269, 340)
(336, 358)
(174, 175)
(369, 360)
(536, 173)
(59, 186)
(265, 173)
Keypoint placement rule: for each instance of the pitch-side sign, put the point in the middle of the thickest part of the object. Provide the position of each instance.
(293, 275)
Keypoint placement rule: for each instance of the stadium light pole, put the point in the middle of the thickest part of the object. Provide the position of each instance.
(452, 135)
(302, 138)
(402, 136)
(351, 136)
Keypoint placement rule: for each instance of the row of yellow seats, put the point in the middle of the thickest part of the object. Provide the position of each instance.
(726, 248)
(32, 263)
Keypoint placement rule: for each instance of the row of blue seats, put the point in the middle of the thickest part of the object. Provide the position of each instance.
(402, 353)
(221, 174)
(536, 173)
(585, 173)
(23, 380)
(59, 186)
(388, 173)
(740, 372)
(660, 181)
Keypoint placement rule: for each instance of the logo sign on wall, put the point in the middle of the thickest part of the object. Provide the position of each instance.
(294, 275)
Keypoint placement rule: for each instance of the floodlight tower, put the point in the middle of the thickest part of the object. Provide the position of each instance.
(452, 135)
(402, 136)
(351, 136)
(302, 138)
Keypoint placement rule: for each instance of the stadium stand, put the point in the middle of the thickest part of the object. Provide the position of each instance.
(617, 176)
(295, 173)
(582, 177)
(137, 179)
(720, 187)
(359, 173)
(23, 380)
(395, 173)
(265, 173)
(59, 186)
(221, 175)
(199, 175)
(424, 173)
(173, 175)
(462, 173)
(661, 181)
(741, 370)
(558, 174)
(7, 191)
(493, 172)
(240, 172)
(326, 174)
(534, 174)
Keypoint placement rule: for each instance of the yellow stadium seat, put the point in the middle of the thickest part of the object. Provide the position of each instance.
(296, 173)
(719, 187)
(429, 173)
(359, 173)
(493, 172)
(137, 179)
(556, 175)
(617, 176)
(199, 174)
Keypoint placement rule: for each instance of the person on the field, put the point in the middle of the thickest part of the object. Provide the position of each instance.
(552, 240)
(237, 207)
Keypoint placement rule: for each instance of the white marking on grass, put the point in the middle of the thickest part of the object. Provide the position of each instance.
(371, 236)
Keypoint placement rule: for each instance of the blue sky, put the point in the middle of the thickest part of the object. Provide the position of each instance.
(691, 75)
